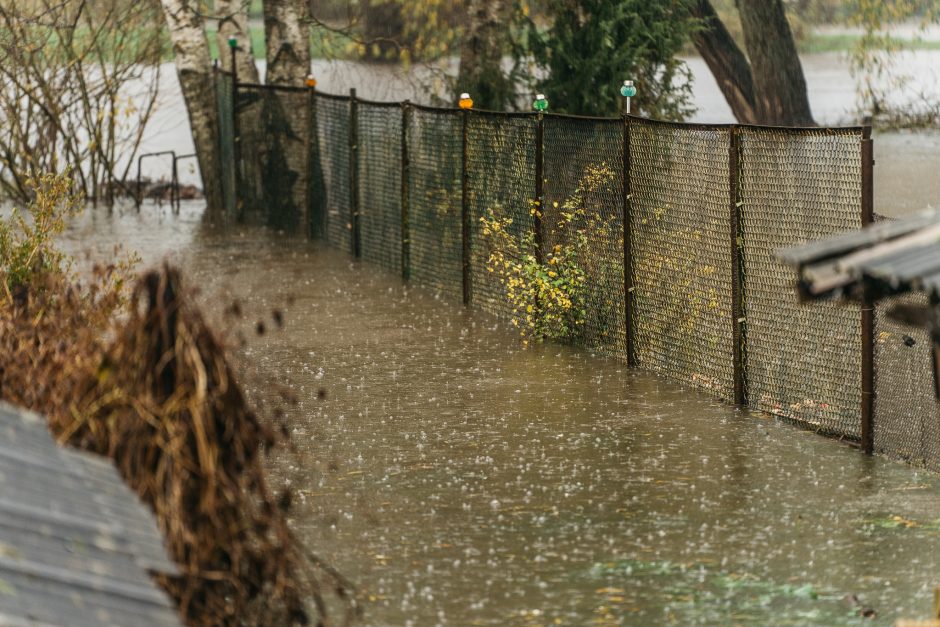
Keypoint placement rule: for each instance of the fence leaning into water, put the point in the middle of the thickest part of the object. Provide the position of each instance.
(681, 275)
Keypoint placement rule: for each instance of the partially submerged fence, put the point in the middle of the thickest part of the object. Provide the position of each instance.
(681, 275)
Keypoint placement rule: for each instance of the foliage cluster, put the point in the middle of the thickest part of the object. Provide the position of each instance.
(78, 84)
(546, 292)
(591, 44)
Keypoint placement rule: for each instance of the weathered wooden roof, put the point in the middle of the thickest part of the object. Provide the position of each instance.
(76, 544)
(889, 257)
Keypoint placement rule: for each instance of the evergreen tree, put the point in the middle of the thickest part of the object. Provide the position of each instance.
(591, 46)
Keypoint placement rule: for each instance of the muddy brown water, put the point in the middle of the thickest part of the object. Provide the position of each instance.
(460, 479)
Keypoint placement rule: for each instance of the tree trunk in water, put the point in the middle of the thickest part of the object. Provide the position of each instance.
(233, 22)
(191, 53)
(481, 73)
(285, 116)
(779, 85)
(727, 63)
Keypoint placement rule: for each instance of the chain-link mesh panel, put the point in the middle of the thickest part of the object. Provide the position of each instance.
(249, 106)
(283, 157)
(333, 134)
(379, 154)
(803, 361)
(501, 184)
(583, 174)
(906, 410)
(226, 107)
(435, 149)
(681, 244)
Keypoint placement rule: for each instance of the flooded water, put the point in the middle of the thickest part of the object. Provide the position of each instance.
(459, 479)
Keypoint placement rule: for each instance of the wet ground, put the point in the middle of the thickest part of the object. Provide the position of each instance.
(460, 479)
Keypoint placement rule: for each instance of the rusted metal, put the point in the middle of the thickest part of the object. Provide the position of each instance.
(236, 139)
(539, 182)
(867, 307)
(405, 173)
(465, 207)
(738, 320)
(140, 159)
(354, 174)
(627, 248)
(310, 113)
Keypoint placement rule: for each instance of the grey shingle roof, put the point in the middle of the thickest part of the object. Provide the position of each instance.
(76, 544)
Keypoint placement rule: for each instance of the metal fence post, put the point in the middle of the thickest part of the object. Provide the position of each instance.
(354, 173)
(465, 208)
(539, 181)
(405, 173)
(867, 307)
(305, 218)
(236, 139)
(627, 246)
(175, 187)
(737, 272)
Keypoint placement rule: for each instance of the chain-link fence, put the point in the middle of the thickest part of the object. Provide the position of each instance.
(435, 149)
(681, 247)
(501, 153)
(906, 409)
(583, 173)
(379, 179)
(675, 228)
(333, 132)
(225, 98)
(803, 361)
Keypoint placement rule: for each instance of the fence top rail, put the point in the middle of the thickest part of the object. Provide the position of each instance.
(700, 126)
(385, 104)
(825, 130)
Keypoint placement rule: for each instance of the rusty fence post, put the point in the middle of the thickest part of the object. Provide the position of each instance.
(738, 319)
(236, 134)
(306, 219)
(867, 307)
(356, 242)
(539, 181)
(465, 207)
(405, 174)
(628, 308)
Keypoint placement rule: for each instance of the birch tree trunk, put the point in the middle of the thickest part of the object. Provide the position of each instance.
(481, 73)
(194, 68)
(233, 22)
(285, 116)
(287, 39)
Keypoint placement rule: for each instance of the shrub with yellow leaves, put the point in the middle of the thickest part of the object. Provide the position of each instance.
(545, 289)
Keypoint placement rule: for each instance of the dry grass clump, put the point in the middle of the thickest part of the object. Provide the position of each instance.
(141, 378)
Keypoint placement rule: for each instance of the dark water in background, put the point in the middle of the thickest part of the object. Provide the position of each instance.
(459, 479)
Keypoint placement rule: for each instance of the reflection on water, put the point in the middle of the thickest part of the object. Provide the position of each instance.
(459, 479)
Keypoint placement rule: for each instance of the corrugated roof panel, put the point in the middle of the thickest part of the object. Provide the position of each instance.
(76, 544)
(853, 240)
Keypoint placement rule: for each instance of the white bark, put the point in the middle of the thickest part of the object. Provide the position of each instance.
(191, 54)
(233, 22)
(285, 156)
(287, 37)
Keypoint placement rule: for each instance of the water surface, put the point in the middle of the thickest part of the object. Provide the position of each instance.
(460, 479)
